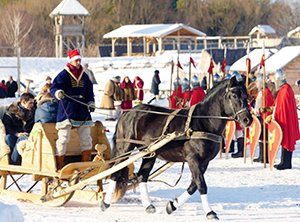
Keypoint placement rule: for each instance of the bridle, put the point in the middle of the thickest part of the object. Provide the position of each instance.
(242, 110)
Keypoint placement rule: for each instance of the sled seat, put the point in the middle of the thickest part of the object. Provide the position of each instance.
(38, 152)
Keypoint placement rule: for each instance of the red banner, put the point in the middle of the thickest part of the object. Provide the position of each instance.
(192, 62)
(211, 67)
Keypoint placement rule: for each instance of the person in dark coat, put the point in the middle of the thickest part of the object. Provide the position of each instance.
(155, 84)
(46, 111)
(73, 82)
(18, 121)
(12, 87)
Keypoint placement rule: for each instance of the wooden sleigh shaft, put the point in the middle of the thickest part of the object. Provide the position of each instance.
(152, 148)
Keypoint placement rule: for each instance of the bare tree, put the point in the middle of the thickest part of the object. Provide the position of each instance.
(14, 28)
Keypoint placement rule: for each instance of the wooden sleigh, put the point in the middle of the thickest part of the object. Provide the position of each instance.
(75, 178)
(38, 160)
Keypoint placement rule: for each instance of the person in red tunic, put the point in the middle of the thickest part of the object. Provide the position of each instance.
(262, 112)
(138, 88)
(176, 96)
(186, 93)
(197, 94)
(285, 114)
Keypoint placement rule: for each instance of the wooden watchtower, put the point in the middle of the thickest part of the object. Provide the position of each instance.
(69, 26)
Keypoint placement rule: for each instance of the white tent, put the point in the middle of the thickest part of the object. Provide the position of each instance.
(282, 58)
(255, 57)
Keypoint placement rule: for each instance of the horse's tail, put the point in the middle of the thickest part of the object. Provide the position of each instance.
(122, 178)
(121, 186)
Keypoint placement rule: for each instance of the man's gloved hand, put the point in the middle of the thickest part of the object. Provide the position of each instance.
(91, 106)
(60, 94)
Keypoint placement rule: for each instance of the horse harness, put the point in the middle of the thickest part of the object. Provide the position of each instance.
(187, 134)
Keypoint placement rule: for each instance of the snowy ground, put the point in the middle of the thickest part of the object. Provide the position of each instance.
(237, 191)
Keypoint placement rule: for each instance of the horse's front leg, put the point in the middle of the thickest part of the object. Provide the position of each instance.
(144, 171)
(198, 170)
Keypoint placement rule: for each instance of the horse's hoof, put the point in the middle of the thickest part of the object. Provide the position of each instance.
(170, 208)
(212, 216)
(104, 206)
(151, 209)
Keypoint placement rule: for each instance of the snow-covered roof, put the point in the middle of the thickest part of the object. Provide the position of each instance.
(153, 30)
(283, 57)
(293, 32)
(69, 7)
(255, 57)
(265, 29)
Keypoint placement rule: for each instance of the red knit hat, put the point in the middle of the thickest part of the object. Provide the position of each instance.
(73, 55)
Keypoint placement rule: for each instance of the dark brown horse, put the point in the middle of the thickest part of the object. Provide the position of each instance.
(227, 99)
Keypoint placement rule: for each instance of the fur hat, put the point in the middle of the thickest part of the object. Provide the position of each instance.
(73, 55)
(116, 79)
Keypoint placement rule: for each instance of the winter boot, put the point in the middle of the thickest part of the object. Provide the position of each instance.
(240, 145)
(261, 154)
(231, 150)
(286, 160)
(86, 155)
(60, 162)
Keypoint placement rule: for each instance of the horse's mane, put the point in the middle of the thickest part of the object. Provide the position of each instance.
(210, 93)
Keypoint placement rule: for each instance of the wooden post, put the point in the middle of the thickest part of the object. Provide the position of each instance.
(263, 107)
(113, 42)
(160, 45)
(247, 83)
(196, 45)
(129, 46)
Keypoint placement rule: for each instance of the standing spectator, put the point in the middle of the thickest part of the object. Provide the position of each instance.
(198, 93)
(204, 83)
(18, 121)
(90, 73)
(75, 83)
(155, 84)
(3, 89)
(12, 87)
(129, 95)
(112, 93)
(48, 80)
(285, 114)
(138, 88)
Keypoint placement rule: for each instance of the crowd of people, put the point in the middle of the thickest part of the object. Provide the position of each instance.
(8, 89)
(58, 103)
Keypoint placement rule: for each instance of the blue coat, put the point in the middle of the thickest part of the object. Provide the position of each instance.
(46, 112)
(81, 89)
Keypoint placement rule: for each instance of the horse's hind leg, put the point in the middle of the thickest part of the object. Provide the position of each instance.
(179, 201)
(117, 179)
(144, 171)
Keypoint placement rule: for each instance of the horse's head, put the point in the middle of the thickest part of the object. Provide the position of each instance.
(235, 101)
